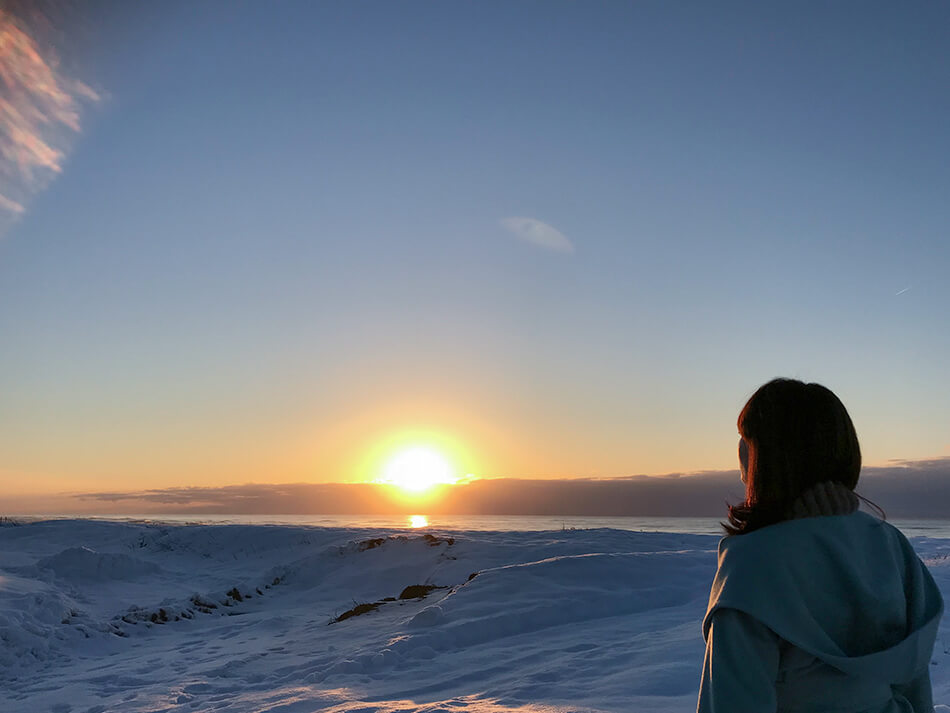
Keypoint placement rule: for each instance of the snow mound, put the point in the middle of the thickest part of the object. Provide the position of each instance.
(87, 565)
(31, 621)
(525, 598)
(522, 598)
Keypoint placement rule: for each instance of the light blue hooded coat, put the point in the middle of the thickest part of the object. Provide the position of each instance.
(832, 613)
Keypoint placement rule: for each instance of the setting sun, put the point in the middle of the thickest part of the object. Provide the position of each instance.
(418, 469)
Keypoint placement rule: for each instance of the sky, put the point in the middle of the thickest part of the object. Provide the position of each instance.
(275, 243)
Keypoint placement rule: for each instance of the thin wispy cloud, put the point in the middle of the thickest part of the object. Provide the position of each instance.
(538, 233)
(9, 205)
(900, 292)
(39, 108)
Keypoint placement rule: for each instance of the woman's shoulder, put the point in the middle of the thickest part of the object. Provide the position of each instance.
(789, 534)
(794, 552)
(805, 579)
(811, 556)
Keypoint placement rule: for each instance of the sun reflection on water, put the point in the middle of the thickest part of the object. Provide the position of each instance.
(418, 521)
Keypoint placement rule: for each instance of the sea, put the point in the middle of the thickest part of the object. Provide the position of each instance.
(489, 523)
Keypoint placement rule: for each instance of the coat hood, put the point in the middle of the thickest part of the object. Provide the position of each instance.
(847, 589)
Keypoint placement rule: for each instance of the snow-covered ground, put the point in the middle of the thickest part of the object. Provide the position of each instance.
(110, 616)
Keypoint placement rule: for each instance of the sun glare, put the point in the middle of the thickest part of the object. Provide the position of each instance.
(416, 521)
(418, 469)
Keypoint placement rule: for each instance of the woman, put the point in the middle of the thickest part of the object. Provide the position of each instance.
(815, 605)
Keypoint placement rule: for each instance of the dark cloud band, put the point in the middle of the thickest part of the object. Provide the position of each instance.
(906, 489)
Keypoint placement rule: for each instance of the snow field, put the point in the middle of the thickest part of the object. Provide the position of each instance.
(110, 616)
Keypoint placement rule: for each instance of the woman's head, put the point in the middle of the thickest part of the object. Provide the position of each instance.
(794, 436)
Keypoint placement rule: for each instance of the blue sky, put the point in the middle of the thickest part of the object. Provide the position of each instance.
(283, 234)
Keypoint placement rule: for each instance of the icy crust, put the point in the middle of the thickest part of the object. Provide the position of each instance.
(141, 617)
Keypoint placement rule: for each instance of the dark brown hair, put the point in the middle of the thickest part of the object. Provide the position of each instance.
(798, 435)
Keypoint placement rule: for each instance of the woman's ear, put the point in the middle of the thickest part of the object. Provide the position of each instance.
(743, 460)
